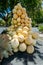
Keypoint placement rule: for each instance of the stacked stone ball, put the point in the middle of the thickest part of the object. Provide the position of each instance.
(22, 37)
(20, 17)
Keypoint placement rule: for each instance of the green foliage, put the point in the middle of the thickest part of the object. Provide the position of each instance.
(8, 19)
(40, 27)
(33, 24)
(12, 3)
(3, 5)
(39, 16)
(2, 22)
(33, 8)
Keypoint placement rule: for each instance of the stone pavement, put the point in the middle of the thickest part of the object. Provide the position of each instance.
(26, 59)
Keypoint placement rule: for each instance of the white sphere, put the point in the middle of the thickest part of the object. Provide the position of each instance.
(18, 19)
(30, 49)
(22, 47)
(23, 10)
(16, 7)
(14, 43)
(35, 35)
(25, 33)
(14, 33)
(25, 28)
(23, 16)
(34, 42)
(15, 36)
(19, 6)
(14, 11)
(19, 30)
(28, 40)
(21, 38)
(19, 12)
(15, 16)
(15, 50)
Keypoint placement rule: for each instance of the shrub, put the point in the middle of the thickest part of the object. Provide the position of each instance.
(33, 24)
(2, 22)
(40, 27)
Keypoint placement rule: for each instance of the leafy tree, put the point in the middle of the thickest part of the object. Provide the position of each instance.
(33, 7)
(3, 5)
(2, 22)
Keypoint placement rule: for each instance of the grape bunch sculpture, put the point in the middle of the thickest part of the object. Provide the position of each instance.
(20, 33)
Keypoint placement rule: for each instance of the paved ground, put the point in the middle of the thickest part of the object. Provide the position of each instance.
(2, 28)
(26, 59)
